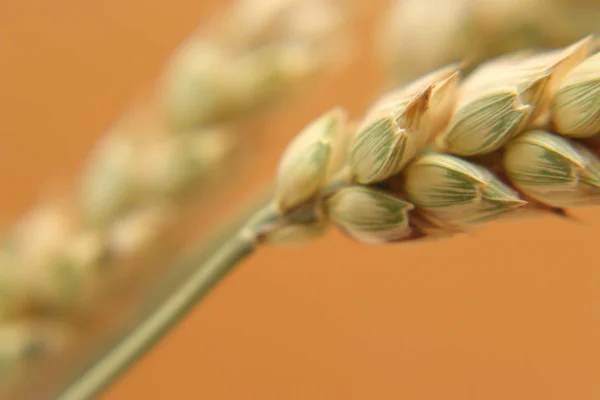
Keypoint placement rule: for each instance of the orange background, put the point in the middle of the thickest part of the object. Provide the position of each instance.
(509, 312)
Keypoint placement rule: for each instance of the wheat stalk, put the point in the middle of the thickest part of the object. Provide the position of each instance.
(61, 259)
(433, 158)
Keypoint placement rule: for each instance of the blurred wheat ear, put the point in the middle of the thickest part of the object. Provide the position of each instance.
(436, 157)
(415, 37)
(66, 259)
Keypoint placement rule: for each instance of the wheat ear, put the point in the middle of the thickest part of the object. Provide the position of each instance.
(419, 36)
(433, 158)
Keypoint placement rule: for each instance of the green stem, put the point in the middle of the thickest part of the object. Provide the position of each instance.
(145, 335)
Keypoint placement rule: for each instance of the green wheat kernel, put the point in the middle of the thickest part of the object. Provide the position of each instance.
(553, 170)
(457, 192)
(370, 215)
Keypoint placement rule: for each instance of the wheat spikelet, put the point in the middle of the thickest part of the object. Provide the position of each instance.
(494, 153)
(64, 257)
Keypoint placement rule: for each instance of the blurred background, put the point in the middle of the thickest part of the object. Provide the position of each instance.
(509, 311)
